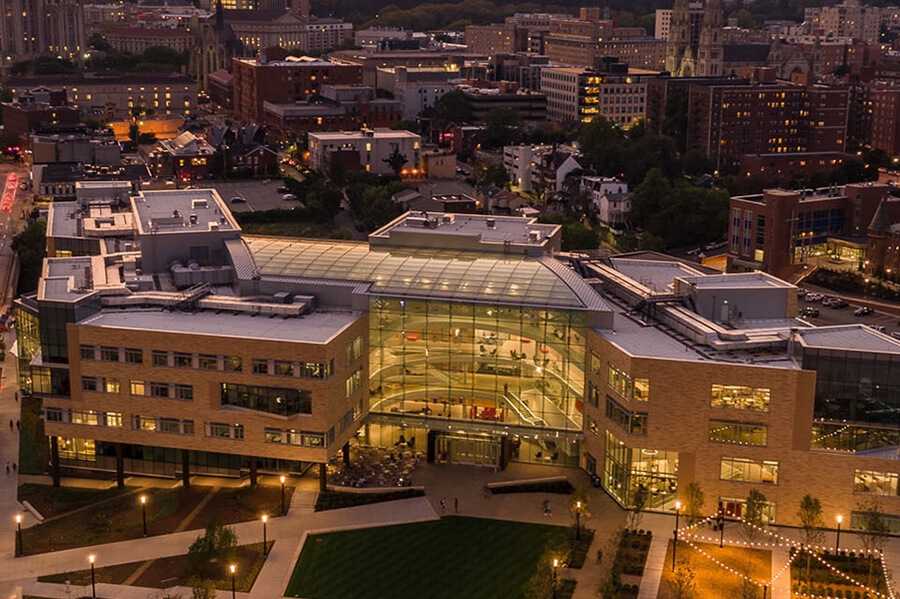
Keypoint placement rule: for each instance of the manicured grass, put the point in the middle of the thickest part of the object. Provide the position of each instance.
(333, 500)
(712, 580)
(453, 557)
(51, 501)
(120, 518)
(34, 451)
(172, 571)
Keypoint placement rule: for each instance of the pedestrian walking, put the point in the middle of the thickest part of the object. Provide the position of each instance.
(18, 425)
(7, 467)
(17, 396)
(14, 467)
(456, 505)
(443, 504)
(599, 556)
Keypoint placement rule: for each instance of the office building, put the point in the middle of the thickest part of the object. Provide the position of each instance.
(531, 106)
(664, 22)
(416, 88)
(779, 231)
(137, 39)
(468, 338)
(848, 19)
(257, 81)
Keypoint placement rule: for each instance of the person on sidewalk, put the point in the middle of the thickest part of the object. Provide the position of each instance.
(443, 504)
(456, 505)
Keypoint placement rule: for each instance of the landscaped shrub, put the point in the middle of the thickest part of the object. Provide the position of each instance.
(333, 500)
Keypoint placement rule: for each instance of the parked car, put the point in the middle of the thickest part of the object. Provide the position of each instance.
(283, 189)
(288, 197)
(801, 292)
(838, 303)
(878, 327)
(863, 311)
(809, 312)
(238, 200)
(814, 297)
(896, 334)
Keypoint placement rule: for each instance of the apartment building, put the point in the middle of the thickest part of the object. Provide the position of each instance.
(847, 19)
(728, 120)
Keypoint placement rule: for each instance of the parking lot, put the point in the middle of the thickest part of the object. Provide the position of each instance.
(832, 316)
(259, 195)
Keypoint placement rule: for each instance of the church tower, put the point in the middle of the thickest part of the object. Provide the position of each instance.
(710, 59)
(679, 36)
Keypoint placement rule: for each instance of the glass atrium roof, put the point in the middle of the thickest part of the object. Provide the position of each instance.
(441, 274)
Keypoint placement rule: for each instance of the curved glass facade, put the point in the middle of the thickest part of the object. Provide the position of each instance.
(470, 362)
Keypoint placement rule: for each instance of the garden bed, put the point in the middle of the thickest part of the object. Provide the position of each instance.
(631, 555)
(168, 572)
(712, 580)
(827, 583)
(334, 500)
(120, 518)
(52, 501)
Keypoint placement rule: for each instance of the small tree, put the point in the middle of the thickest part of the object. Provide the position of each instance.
(579, 506)
(811, 523)
(212, 550)
(202, 588)
(396, 161)
(754, 515)
(693, 502)
(639, 501)
(682, 582)
(610, 587)
(748, 589)
(873, 530)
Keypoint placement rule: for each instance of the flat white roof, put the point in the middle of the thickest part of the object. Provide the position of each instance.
(317, 327)
(746, 280)
(851, 337)
(359, 135)
(657, 275)
(171, 211)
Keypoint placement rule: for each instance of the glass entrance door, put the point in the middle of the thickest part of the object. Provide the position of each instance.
(468, 451)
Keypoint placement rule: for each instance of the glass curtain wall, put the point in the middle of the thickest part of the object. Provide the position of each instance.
(477, 362)
(455, 362)
(633, 471)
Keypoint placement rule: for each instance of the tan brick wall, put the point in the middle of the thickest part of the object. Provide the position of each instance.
(679, 411)
(329, 401)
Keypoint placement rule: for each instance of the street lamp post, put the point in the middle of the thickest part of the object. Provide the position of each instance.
(144, 512)
(265, 519)
(837, 540)
(91, 559)
(553, 578)
(232, 567)
(282, 495)
(18, 534)
(675, 533)
(578, 520)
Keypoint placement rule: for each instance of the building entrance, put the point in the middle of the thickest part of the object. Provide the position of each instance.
(468, 451)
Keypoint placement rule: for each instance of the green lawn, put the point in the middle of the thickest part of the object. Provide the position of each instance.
(453, 557)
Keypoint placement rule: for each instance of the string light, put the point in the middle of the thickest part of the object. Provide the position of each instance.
(685, 533)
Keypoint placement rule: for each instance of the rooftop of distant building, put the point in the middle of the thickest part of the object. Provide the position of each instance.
(172, 211)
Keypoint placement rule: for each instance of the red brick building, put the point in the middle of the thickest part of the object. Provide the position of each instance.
(285, 81)
(21, 119)
(782, 169)
(883, 244)
(886, 119)
(776, 231)
(727, 120)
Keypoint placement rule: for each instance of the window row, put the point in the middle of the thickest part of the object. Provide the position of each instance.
(630, 422)
(735, 397)
(354, 382)
(292, 437)
(306, 370)
(98, 384)
(738, 433)
(877, 483)
(102, 353)
(273, 400)
(221, 430)
(87, 417)
(157, 424)
(749, 471)
(354, 351)
(164, 390)
(626, 386)
(198, 361)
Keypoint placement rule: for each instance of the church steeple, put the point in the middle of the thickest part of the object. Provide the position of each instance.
(710, 51)
(679, 35)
